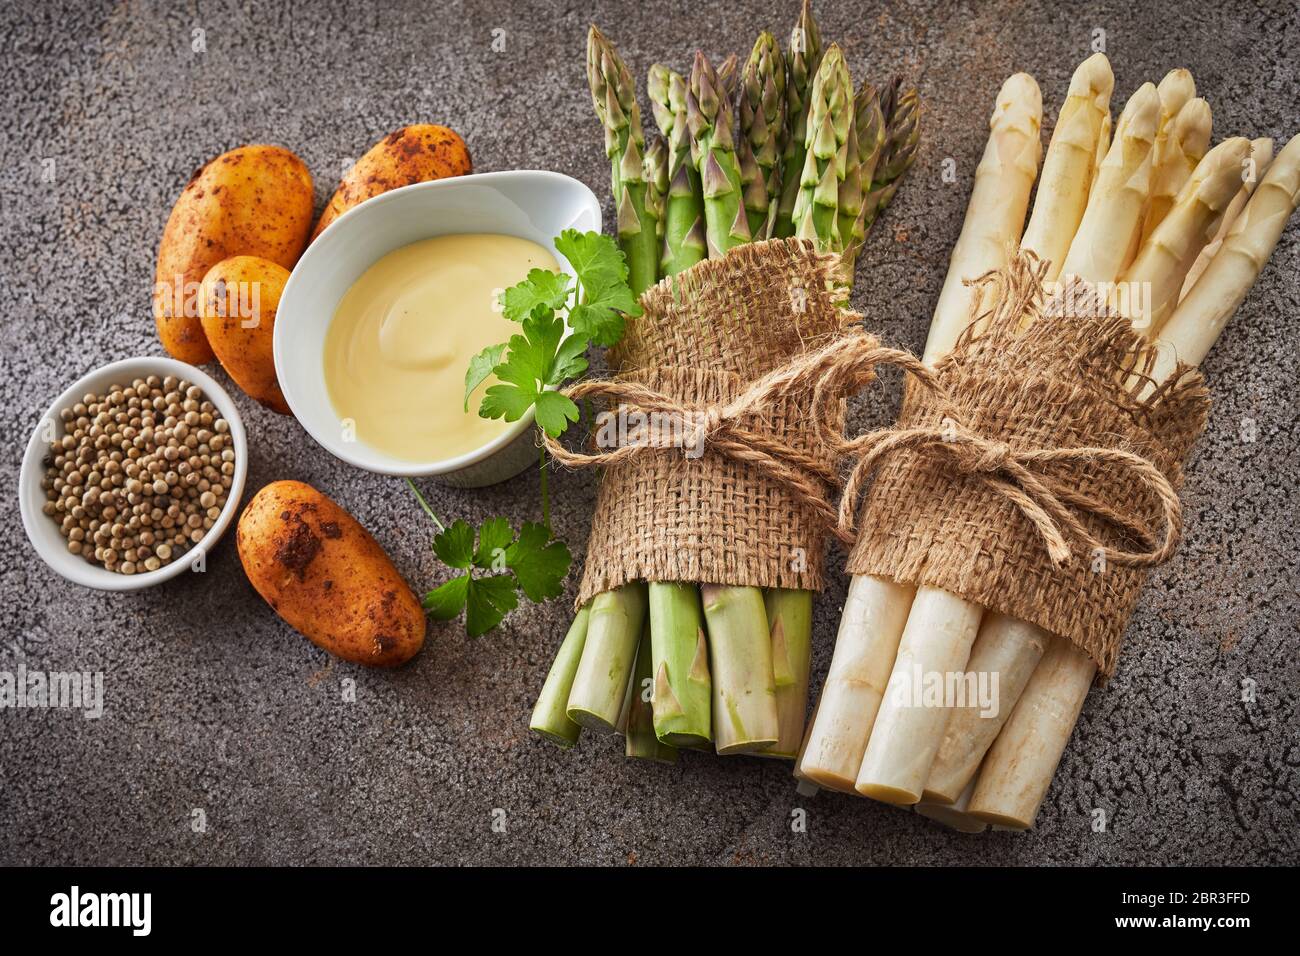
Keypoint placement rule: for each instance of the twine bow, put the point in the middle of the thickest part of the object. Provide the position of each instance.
(1021, 475)
(825, 375)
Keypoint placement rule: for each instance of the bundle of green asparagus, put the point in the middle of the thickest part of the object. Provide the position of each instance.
(1178, 233)
(785, 148)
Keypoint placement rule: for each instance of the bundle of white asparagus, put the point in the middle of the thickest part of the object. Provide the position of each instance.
(1178, 232)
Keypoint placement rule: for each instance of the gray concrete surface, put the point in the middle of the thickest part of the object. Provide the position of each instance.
(213, 704)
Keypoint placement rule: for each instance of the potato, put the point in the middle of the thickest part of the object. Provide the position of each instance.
(325, 575)
(240, 296)
(255, 201)
(412, 154)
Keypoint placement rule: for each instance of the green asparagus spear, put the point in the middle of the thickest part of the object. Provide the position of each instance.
(866, 139)
(638, 719)
(549, 717)
(902, 111)
(683, 244)
(614, 95)
(680, 665)
(709, 116)
(740, 652)
(656, 185)
(802, 61)
(789, 616)
(762, 118)
(600, 682)
(830, 114)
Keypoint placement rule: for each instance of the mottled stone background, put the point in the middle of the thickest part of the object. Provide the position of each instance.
(213, 703)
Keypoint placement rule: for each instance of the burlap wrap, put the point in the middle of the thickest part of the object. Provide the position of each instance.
(703, 337)
(1072, 379)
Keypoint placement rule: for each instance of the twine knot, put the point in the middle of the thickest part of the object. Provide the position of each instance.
(734, 428)
(993, 456)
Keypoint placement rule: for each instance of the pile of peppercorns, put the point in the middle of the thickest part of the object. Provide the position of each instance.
(141, 473)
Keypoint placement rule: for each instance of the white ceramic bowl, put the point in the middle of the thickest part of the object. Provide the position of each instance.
(44, 534)
(529, 204)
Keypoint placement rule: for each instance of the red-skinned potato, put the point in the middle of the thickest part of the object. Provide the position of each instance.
(412, 154)
(327, 577)
(255, 201)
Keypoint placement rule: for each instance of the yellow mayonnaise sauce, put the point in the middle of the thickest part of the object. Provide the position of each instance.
(402, 337)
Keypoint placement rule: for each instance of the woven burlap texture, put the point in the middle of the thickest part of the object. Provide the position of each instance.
(703, 336)
(1072, 379)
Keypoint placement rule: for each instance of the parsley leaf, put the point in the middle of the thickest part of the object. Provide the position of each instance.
(543, 357)
(596, 258)
(494, 537)
(447, 600)
(455, 546)
(542, 289)
(489, 600)
(554, 412)
(539, 563)
(480, 367)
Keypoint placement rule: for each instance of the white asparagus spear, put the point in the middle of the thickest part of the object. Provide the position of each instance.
(1150, 286)
(936, 643)
(1011, 649)
(1116, 202)
(1018, 771)
(1185, 143)
(1261, 154)
(955, 814)
(875, 611)
(1175, 91)
(1200, 318)
(1022, 761)
(995, 215)
(1067, 169)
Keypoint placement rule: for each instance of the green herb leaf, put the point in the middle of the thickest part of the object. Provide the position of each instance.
(480, 367)
(602, 325)
(554, 412)
(455, 546)
(448, 600)
(570, 360)
(539, 563)
(596, 259)
(494, 537)
(542, 289)
(489, 600)
(527, 367)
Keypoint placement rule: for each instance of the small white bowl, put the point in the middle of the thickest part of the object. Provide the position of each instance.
(45, 535)
(530, 204)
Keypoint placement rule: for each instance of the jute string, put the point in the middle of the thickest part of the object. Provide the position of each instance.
(843, 367)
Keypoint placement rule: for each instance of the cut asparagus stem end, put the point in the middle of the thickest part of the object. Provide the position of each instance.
(740, 656)
(954, 814)
(549, 718)
(683, 707)
(789, 615)
(605, 668)
(638, 716)
(1010, 649)
(941, 628)
(871, 627)
(1019, 767)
